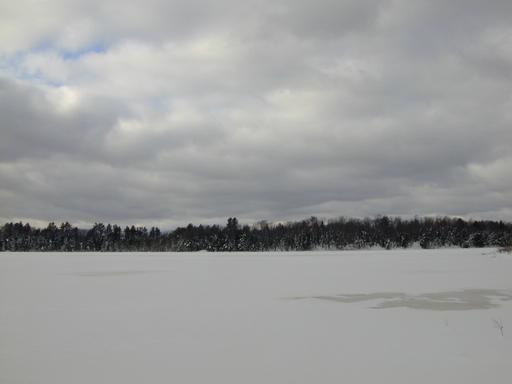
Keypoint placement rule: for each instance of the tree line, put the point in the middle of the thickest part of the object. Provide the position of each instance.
(309, 234)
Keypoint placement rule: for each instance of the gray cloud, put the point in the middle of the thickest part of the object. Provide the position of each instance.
(171, 112)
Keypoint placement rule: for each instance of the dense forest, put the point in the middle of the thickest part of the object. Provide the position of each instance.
(309, 234)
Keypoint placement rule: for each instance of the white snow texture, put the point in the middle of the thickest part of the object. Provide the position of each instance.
(402, 316)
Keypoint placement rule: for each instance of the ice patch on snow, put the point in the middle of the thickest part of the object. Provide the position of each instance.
(113, 273)
(463, 300)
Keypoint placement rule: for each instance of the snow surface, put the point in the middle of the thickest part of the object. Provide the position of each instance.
(410, 316)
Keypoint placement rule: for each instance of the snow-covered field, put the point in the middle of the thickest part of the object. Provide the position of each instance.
(410, 316)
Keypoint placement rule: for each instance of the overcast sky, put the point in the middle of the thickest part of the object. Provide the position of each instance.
(165, 112)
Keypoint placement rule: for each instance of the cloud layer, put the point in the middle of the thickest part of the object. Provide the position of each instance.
(168, 112)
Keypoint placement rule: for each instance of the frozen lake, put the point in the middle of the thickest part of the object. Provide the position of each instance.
(414, 316)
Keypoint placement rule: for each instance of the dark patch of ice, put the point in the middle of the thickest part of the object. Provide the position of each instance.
(463, 300)
(112, 273)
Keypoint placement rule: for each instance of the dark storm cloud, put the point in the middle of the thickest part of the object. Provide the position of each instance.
(32, 127)
(195, 111)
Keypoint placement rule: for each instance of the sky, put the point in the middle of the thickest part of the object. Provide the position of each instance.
(166, 112)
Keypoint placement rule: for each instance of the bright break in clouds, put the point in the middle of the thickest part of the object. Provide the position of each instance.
(169, 112)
